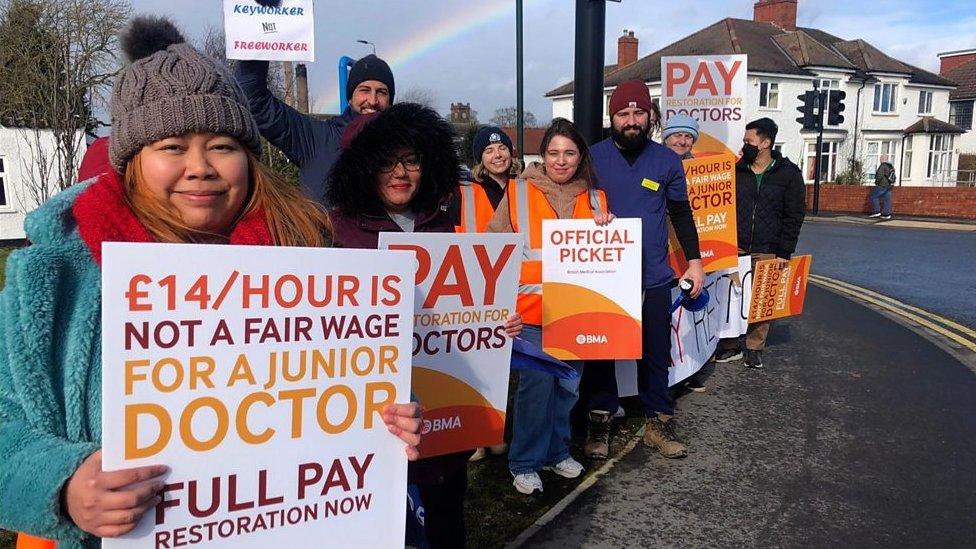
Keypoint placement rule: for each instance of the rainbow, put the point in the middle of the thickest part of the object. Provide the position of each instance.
(437, 35)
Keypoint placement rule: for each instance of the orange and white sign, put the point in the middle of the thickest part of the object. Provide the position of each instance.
(270, 33)
(258, 376)
(711, 193)
(591, 289)
(779, 290)
(465, 290)
(712, 90)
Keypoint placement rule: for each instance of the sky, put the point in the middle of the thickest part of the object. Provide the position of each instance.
(464, 51)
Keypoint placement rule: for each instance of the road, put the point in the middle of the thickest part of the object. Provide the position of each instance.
(859, 433)
(934, 270)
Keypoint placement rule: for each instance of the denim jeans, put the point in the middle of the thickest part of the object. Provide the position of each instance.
(541, 434)
(881, 195)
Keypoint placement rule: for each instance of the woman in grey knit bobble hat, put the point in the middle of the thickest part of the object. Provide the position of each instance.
(185, 150)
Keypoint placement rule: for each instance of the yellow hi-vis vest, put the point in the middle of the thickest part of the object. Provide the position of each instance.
(528, 207)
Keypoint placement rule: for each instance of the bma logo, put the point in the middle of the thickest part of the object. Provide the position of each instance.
(441, 424)
(707, 254)
(590, 339)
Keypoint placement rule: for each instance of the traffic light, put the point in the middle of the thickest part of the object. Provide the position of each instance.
(834, 116)
(808, 106)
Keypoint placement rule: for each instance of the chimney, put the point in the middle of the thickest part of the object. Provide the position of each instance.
(289, 72)
(781, 13)
(952, 59)
(301, 83)
(626, 49)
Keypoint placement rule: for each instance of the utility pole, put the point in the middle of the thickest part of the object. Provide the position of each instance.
(519, 106)
(588, 74)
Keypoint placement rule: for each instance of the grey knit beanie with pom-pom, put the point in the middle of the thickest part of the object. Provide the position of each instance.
(169, 89)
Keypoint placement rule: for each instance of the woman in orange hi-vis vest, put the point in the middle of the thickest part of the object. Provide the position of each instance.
(561, 188)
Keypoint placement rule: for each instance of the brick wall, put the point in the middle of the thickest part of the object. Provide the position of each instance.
(957, 202)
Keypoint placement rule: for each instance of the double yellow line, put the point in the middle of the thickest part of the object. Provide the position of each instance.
(953, 331)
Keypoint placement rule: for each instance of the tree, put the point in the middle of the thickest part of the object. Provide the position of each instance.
(508, 117)
(421, 96)
(62, 58)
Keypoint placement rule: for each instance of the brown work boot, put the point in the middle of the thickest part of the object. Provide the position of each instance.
(659, 434)
(598, 435)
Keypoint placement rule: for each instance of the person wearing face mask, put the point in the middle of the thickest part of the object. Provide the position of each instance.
(560, 188)
(646, 180)
(770, 207)
(311, 144)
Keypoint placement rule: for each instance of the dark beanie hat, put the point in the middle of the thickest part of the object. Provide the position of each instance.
(632, 93)
(489, 135)
(370, 68)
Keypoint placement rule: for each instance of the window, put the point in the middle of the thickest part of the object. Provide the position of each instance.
(885, 96)
(924, 102)
(940, 156)
(878, 151)
(828, 85)
(961, 114)
(828, 160)
(906, 164)
(3, 183)
(769, 95)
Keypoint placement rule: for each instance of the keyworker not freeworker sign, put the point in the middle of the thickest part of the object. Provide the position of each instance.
(282, 33)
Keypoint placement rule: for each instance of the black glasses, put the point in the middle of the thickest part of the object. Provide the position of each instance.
(411, 163)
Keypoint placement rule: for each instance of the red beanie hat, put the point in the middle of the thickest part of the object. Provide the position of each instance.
(354, 127)
(632, 93)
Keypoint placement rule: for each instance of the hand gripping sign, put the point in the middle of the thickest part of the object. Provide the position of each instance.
(465, 289)
(269, 33)
(258, 375)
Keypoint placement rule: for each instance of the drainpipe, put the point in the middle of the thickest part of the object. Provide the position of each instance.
(901, 163)
(857, 119)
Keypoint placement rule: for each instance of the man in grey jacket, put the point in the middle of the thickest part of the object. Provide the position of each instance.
(884, 180)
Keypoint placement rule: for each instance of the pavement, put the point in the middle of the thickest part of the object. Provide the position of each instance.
(860, 432)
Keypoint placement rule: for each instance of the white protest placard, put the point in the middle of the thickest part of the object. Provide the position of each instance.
(711, 89)
(591, 286)
(695, 336)
(282, 33)
(465, 291)
(257, 375)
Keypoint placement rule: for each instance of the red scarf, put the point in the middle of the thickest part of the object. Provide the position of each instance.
(103, 215)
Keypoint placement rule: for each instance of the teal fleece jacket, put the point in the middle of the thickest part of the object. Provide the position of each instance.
(50, 349)
(50, 372)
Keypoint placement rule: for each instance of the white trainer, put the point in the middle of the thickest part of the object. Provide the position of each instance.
(567, 468)
(527, 483)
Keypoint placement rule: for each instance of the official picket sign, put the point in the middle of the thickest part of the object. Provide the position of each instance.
(591, 288)
(282, 33)
(258, 376)
(465, 289)
(712, 90)
(778, 290)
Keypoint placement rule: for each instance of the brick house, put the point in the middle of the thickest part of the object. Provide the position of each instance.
(892, 108)
(960, 67)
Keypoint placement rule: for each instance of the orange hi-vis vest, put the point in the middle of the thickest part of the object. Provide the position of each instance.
(528, 207)
(476, 209)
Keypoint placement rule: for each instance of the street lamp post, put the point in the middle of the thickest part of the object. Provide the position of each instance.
(588, 72)
(519, 106)
(368, 43)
